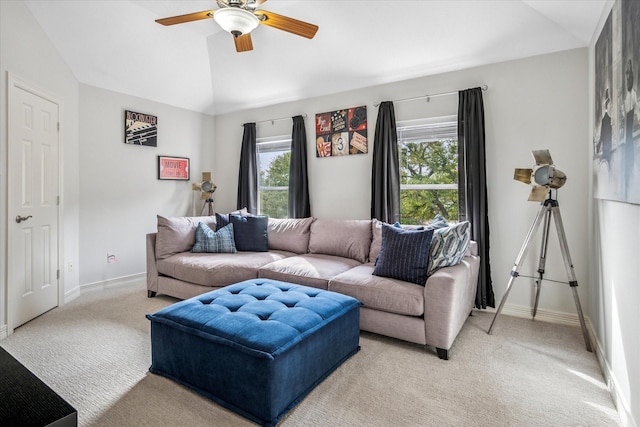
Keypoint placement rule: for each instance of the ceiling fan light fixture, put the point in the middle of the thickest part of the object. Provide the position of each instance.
(236, 21)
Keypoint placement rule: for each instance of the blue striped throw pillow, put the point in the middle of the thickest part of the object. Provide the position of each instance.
(404, 254)
(210, 241)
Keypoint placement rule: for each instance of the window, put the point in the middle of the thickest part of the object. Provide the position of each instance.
(273, 156)
(428, 156)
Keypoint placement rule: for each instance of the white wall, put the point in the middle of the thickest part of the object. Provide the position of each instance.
(120, 194)
(28, 54)
(533, 103)
(615, 280)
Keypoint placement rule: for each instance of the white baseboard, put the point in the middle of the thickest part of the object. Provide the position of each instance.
(118, 281)
(541, 315)
(71, 295)
(3, 332)
(621, 402)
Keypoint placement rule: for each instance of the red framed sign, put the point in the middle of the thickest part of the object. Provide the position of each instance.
(173, 168)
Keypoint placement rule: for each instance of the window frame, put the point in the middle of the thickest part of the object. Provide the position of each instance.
(276, 144)
(449, 124)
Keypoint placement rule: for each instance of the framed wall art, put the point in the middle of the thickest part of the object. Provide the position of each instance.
(140, 129)
(175, 168)
(616, 144)
(341, 132)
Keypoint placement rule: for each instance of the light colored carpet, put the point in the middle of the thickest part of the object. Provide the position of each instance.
(95, 352)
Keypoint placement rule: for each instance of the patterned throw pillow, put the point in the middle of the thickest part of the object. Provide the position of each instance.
(438, 222)
(449, 245)
(404, 254)
(210, 241)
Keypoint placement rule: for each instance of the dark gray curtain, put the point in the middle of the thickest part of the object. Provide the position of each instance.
(298, 181)
(248, 175)
(472, 178)
(385, 173)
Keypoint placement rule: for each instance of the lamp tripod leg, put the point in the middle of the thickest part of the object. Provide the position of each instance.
(516, 267)
(568, 264)
(543, 258)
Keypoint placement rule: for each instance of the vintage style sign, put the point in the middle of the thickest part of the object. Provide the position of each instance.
(140, 129)
(341, 132)
(173, 168)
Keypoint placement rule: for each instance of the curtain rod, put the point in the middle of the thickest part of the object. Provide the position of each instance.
(276, 120)
(483, 87)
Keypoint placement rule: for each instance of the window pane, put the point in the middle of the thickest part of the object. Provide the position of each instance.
(273, 182)
(428, 156)
(274, 203)
(421, 206)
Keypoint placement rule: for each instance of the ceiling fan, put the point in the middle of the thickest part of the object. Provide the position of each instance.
(240, 17)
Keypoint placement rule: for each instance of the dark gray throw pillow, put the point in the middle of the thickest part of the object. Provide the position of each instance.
(404, 254)
(250, 232)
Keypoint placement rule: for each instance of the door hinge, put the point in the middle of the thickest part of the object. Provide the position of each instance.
(58, 201)
(58, 126)
(58, 274)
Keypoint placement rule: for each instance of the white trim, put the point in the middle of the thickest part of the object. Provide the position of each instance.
(110, 283)
(622, 405)
(71, 295)
(542, 315)
(3, 332)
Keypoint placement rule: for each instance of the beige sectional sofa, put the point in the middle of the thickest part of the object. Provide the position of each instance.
(337, 255)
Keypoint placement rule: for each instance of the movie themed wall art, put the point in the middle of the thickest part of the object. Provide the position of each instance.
(140, 129)
(341, 132)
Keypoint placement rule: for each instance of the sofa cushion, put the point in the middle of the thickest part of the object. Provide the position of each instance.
(210, 241)
(217, 269)
(290, 234)
(380, 293)
(308, 269)
(178, 234)
(250, 232)
(404, 254)
(341, 237)
(449, 245)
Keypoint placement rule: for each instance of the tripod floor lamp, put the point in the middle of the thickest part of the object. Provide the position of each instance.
(545, 178)
(206, 188)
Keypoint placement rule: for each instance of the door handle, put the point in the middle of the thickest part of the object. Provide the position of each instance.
(19, 218)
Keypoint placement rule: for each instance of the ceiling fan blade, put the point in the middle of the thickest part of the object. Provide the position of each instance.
(260, 2)
(243, 43)
(285, 23)
(186, 18)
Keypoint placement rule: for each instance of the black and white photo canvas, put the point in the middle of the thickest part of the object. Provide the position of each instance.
(616, 145)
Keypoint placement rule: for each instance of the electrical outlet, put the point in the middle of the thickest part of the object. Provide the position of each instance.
(70, 266)
(111, 258)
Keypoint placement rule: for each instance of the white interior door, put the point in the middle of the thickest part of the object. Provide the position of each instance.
(32, 205)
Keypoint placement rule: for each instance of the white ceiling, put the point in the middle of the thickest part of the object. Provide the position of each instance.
(116, 45)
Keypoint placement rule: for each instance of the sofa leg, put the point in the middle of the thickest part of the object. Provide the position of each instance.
(151, 294)
(443, 353)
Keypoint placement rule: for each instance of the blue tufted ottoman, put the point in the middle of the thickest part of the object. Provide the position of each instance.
(256, 347)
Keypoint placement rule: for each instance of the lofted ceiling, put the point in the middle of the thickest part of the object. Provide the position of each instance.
(116, 45)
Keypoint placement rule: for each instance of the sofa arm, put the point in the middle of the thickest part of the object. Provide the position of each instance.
(449, 296)
(152, 270)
